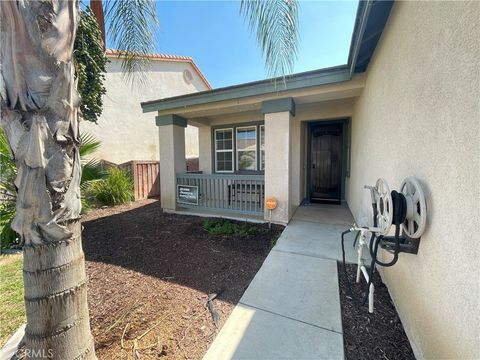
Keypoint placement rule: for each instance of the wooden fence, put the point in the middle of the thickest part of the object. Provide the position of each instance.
(146, 178)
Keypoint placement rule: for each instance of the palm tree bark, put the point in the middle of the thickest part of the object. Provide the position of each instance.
(40, 105)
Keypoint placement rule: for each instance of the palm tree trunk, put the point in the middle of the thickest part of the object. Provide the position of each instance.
(40, 105)
(56, 299)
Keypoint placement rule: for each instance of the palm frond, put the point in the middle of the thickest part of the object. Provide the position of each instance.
(8, 193)
(92, 170)
(275, 23)
(8, 171)
(88, 144)
(131, 29)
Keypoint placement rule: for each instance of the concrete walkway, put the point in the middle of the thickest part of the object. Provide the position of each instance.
(291, 310)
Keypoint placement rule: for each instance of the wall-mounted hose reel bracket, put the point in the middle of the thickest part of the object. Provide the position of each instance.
(407, 211)
(411, 217)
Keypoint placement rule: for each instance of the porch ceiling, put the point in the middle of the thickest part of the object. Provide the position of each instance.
(201, 114)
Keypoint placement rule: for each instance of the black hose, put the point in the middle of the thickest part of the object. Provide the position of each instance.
(373, 253)
(356, 238)
(399, 214)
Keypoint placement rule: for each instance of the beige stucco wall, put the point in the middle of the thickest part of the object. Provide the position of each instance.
(278, 165)
(125, 132)
(419, 115)
(325, 110)
(172, 154)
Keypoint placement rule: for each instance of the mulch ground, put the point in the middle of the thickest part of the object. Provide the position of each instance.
(149, 277)
(371, 336)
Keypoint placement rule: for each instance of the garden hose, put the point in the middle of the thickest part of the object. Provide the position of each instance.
(399, 215)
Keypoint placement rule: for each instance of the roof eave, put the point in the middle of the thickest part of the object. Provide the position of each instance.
(278, 85)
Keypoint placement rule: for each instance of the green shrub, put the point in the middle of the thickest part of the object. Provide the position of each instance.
(8, 194)
(8, 237)
(226, 227)
(115, 189)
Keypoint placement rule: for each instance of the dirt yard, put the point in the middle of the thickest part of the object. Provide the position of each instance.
(371, 336)
(149, 277)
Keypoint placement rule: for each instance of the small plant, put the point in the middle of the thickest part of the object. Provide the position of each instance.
(91, 172)
(8, 194)
(226, 227)
(115, 189)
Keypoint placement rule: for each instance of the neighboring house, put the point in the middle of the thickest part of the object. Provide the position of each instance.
(407, 103)
(125, 132)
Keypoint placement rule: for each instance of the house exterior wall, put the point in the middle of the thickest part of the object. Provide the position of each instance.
(125, 132)
(278, 165)
(326, 110)
(205, 157)
(419, 115)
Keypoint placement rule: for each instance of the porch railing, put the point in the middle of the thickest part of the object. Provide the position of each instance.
(237, 193)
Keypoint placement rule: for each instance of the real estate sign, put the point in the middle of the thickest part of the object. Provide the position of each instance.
(187, 194)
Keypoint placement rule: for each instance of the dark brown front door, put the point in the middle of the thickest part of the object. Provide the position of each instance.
(326, 162)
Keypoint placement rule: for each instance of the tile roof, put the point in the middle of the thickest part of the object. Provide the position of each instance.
(166, 57)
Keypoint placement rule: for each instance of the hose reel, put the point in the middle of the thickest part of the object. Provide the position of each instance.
(384, 206)
(416, 216)
(407, 211)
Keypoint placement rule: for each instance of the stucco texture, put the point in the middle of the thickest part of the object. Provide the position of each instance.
(419, 115)
(125, 132)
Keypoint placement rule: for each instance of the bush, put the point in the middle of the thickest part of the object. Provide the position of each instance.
(226, 227)
(115, 189)
(8, 237)
(8, 194)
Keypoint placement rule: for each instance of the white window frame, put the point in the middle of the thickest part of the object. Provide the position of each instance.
(218, 151)
(237, 150)
(260, 149)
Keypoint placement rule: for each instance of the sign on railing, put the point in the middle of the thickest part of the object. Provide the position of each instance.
(225, 192)
(187, 194)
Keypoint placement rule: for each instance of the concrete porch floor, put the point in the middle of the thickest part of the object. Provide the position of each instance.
(291, 310)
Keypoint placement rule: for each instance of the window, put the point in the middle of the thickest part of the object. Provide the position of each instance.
(247, 148)
(224, 150)
(262, 147)
(239, 148)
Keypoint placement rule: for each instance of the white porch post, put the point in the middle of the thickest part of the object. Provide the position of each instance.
(278, 156)
(171, 129)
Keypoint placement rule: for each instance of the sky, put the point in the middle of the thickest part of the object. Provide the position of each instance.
(217, 37)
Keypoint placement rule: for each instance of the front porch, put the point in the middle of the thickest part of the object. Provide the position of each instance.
(234, 194)
(257, 141)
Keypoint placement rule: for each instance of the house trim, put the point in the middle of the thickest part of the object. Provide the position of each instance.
(170, 120)
(269, 86)
(279, 105)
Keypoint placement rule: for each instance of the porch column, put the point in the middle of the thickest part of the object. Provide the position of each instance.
(278, 156)
(205, 149)
(171, 129)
